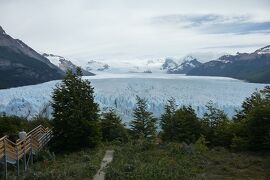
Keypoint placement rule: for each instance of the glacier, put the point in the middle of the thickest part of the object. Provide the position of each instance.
(118, 91)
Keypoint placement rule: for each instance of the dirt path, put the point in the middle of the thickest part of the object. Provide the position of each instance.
(105, 161)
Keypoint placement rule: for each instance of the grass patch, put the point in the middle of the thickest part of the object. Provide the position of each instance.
(222, 164)
(148, 161)
(142, 160)
(175, 161)
(77, 165)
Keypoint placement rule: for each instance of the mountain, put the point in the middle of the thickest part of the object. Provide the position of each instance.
(21, 65)
(96, 66)
(65, 64)
(251, 67)
(188, 63)
(264, 50)
(169, 65)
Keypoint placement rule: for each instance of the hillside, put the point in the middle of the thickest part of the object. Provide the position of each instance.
(20, 65)
(65, 64)
(251, 67)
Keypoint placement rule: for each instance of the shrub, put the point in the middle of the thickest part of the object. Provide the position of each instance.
(112, 128)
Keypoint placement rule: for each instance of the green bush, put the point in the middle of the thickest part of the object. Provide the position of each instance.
(216, 127)
(201, 145)
(14, 124)
(252, 123)
(112, 128)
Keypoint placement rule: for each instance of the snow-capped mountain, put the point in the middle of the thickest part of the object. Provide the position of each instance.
(64, 64)
(21, 65)
(184, 66)
(152, 65)
(264, 50)
(189, 63)
(96, 66)
(169, 65)
(252, 67)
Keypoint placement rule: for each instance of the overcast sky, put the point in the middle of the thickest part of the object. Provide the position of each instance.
(129, 29)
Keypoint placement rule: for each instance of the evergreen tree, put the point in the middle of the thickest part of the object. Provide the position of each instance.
(75, 115)
(216, 126)
(186, 125)
(112, 127)
(252, 123)
(167, 120)
(144, 123)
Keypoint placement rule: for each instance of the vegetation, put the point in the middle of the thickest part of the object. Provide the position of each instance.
(75, 116)
(211, 147)
(180, 161)
(144, 123)
(81, 164)
(252, 124)
(112, 128)
(167, 120)
(216, 127)
(12, 124)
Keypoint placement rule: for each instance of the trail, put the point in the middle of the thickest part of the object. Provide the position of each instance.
(105, 161)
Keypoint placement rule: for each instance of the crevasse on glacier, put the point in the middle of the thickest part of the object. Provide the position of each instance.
(120, 94)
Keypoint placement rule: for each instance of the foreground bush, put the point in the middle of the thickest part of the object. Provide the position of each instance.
(252, 123)
(14, 124)
(175, 161)
(82, 164)
(112, 128)
(147, 161)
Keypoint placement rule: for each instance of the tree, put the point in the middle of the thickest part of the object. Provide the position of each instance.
(12, 124)
(252, 123)
(112, 127)
(75, 115)
(144, 123)
(186, 125)
(167, 120)
(216, 126)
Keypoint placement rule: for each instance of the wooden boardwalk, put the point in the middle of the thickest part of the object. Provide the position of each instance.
(12, 153)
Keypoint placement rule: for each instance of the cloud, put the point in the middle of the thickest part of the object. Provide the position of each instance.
(238, 28)
(130, 29)
(214, 23)
(235, 46)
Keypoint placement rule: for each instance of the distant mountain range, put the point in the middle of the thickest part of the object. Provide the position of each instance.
(21, 65)
(188, 63)
(65, 64)
(251, 67)
(96, 66)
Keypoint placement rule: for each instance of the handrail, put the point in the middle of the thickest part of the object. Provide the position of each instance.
(34, 139)
(35, 129)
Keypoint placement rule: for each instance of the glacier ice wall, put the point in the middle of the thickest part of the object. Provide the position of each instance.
(120, 93)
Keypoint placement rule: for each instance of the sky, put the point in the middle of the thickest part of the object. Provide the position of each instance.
(138, 29)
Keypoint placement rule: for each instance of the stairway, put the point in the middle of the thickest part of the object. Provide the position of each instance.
(12, 153)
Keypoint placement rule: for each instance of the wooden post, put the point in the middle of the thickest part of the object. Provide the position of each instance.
(5, 159)
(18, 163)
(24, 156)
(31, 151)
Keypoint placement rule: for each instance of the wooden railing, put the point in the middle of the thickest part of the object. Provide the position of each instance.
(12, 153)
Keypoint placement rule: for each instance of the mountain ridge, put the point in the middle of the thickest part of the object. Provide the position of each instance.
(251, 67)
(21, 65)
(65, 64)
